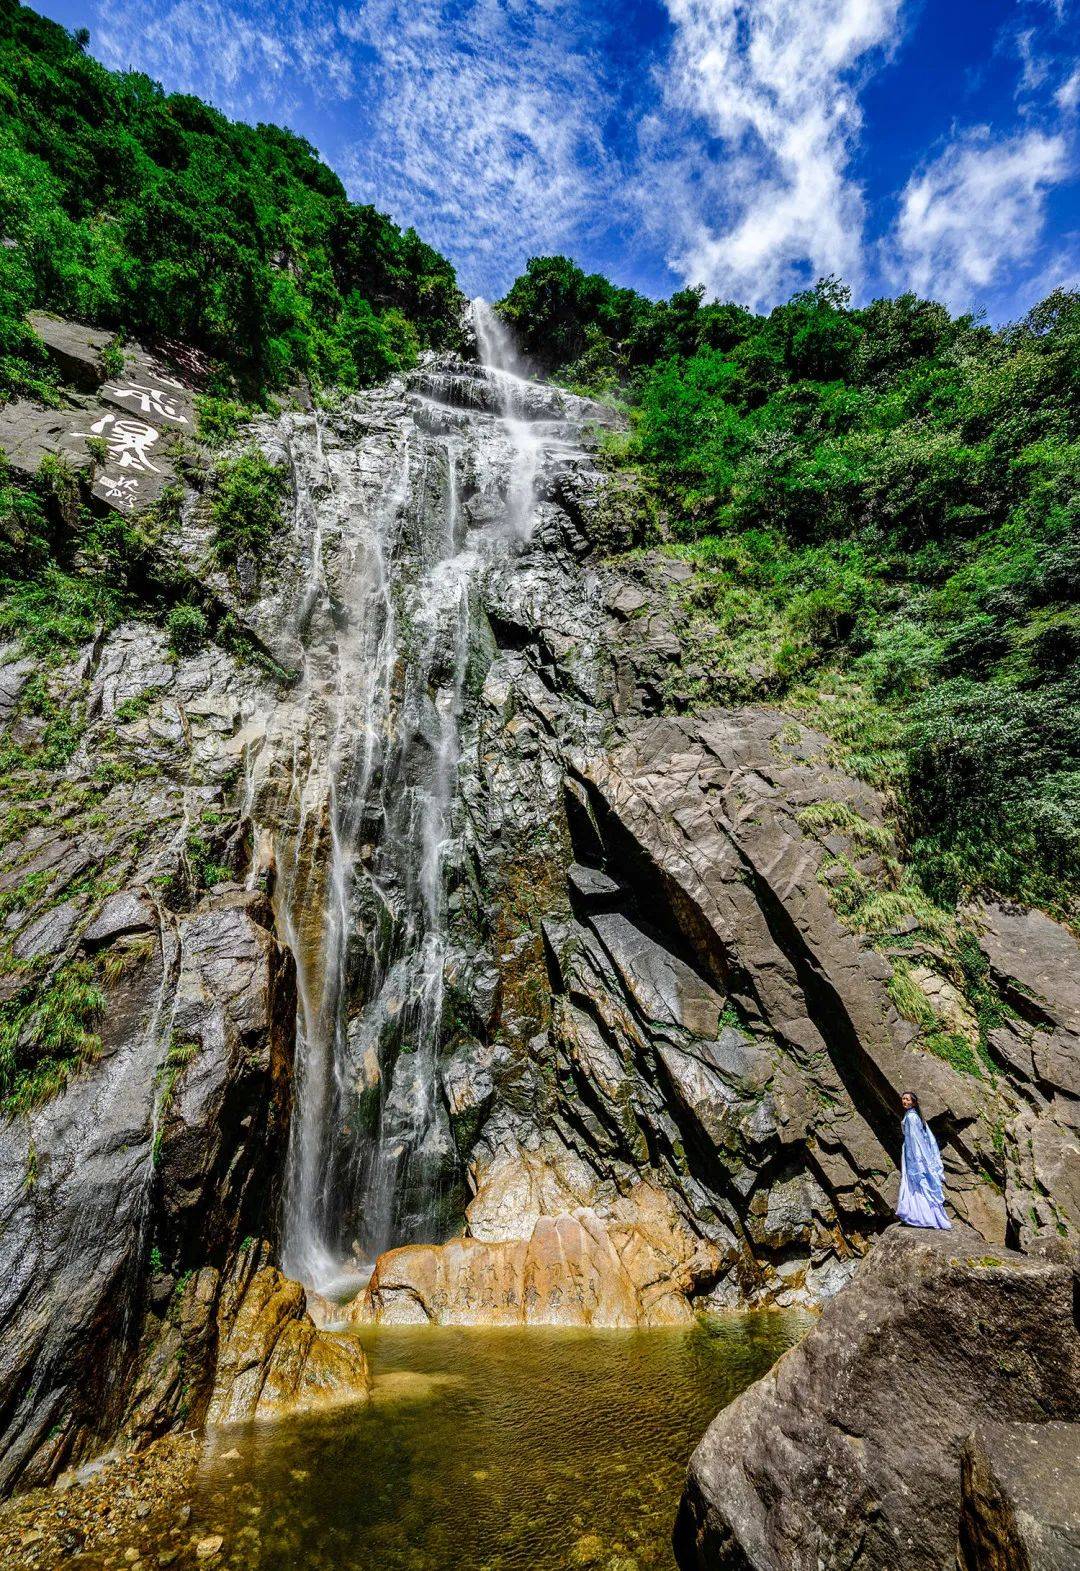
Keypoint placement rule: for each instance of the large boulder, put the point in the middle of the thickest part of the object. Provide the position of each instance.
(847, 1454)
(634, 1266)
(76, 350)
(272, 1359)
(1020, 1508)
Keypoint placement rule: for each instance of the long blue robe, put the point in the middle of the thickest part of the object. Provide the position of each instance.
(921, 1202)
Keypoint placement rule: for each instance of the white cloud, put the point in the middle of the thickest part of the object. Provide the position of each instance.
(978, 209)
(761, 106)
(1034, 67)
(486, 127)
(247, 59)
(1067, 96)
(1062, 271)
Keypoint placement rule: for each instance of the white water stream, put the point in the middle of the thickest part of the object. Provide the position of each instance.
(354, 789)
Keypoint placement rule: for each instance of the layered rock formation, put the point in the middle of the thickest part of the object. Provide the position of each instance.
(271, 1359)
(849, 1451)
(154, 1155)
(635, 1265)
(706, 1005)
(1035, 964)
(423, 894)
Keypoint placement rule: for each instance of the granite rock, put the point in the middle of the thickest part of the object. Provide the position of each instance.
(1020, 1498)
(848, 1452)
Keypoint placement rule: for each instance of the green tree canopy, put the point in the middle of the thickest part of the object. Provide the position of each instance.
(127, 207)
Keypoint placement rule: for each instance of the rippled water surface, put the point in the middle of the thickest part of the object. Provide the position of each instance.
(489, 1450)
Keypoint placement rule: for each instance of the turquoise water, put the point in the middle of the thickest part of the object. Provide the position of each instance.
(489, 1451)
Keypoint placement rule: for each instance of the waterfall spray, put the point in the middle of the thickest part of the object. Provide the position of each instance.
(356, 790)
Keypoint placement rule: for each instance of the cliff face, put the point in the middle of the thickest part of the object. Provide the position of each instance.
(439, 908)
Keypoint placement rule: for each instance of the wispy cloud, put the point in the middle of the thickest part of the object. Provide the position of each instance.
(1067, 96)
(748, 163)
(725, 139)
(487, 128)
(1035, 66)
(977, 210)
(249, 60)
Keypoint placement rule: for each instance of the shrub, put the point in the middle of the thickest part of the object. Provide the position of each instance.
(46, 1033)
(246, 508)
(219, 419)
(112, 357)
(186, 629)
(179, 1055)
(55, 611)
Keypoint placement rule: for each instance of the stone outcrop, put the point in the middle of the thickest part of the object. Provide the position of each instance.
(146, 1137)
(236, 1344)
(663, 1050)
(1020, 1498)
(634, 1266)
(1035, 963)
(165, 1146)
(136, 415)
(849, 1451)
(707, 1003)
(271, 1357)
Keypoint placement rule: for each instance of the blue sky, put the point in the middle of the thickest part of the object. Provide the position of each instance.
(748, 145)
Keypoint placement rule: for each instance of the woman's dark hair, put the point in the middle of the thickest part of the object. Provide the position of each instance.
(914, 1099)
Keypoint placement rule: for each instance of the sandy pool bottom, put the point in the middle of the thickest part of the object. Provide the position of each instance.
(488, 1451)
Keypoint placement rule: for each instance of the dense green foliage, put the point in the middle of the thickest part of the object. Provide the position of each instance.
(246, 506)
(883, 507)
(154, 214)
(881, 504)
(583, 330)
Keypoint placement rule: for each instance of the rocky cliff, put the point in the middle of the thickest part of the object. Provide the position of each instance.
(422, 901)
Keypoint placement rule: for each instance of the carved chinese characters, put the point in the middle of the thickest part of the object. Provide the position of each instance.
(129, 423)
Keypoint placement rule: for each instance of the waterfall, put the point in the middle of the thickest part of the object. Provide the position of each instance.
(406, 499)
(493, 340)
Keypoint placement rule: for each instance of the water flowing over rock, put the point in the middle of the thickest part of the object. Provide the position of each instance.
(442, 945)
(353, 784)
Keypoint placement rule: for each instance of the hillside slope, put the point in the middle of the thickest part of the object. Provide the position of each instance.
(151, 214)
(881, 510)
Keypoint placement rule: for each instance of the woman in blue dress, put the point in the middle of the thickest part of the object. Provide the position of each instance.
(921, 1202)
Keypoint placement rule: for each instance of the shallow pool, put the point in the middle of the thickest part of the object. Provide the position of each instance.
(489, 1450)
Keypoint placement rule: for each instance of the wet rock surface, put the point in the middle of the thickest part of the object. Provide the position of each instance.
(565, 960)
(849, 1451)
(272, 1359)
(158, 1153)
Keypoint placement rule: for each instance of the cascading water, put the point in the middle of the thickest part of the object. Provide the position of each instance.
(404, 503)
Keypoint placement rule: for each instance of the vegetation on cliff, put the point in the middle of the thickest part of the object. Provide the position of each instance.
(127, 207)
(882, 506)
